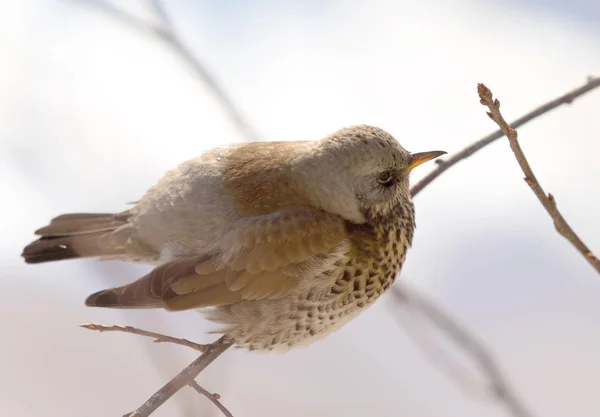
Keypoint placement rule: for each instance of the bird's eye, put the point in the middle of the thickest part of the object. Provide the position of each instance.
(385, 178)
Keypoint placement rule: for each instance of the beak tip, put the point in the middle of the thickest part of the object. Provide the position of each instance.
(421, 157)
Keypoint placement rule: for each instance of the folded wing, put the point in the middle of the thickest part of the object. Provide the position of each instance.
(263, 257)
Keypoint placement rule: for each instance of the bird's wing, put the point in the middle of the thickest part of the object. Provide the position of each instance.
(261, 258)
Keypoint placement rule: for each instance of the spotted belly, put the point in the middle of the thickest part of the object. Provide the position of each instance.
(312, 313)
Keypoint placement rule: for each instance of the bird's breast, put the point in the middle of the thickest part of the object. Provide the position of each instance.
(356, 274)
(378, 251)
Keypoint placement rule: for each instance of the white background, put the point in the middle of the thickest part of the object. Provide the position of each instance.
(92, 113)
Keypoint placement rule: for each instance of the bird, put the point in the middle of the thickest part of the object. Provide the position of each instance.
(279, 243)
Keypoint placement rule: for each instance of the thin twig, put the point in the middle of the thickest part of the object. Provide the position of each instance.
(501, 389)
(185, 377)
(166, 33)
(443, 165)
(547, 200)
(159, 338)
(214, 398)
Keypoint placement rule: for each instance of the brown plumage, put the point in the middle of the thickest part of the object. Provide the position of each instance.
(286, 241)
(74, 236)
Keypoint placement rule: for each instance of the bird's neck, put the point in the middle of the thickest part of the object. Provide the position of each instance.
(384, 234)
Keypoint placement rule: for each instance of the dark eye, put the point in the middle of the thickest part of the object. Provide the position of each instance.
(385, 178)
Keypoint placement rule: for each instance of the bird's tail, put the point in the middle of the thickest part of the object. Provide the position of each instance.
(78, 235)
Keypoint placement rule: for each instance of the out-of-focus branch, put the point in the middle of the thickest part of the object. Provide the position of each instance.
(501, 389)
(443, 165)
(166, 33)
(161, 13)
(547, 200)
(186, 377)
(436, 354)
(158, 338)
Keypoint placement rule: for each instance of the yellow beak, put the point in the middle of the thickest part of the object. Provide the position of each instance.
(419, 158)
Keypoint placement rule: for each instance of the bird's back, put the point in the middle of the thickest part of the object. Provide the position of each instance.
(185, 213)
(194, 206)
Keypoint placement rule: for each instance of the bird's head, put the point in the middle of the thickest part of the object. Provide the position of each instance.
(359, 172)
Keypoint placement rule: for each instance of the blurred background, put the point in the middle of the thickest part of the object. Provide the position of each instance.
(94, 108)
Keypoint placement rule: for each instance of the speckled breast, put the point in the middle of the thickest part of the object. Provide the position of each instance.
(377, 252)
(367, 267)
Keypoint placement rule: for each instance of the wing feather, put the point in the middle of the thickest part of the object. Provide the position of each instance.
(261, 258)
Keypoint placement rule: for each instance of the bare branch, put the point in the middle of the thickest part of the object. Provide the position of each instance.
(126, 19)
(214, 398)
(185, 377)
(448, 366)
(166, 33)
(547, 200)
(161, 13)
(158, 338)
(501, 389)
(443, 165)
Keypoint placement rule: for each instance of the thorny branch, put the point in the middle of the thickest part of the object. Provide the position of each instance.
(501, 389)
(443, 165)
(166, 33)
(547, 200)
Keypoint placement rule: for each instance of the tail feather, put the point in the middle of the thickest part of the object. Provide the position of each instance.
(82, 223)
(78, 235)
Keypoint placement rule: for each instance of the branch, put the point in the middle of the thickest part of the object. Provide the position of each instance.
(448, 366)
(185, 377)
(443, 165)
(501, 389)
(214, 398)
(166, 33)
(161, 13)
(158, 338)
(547, 200)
